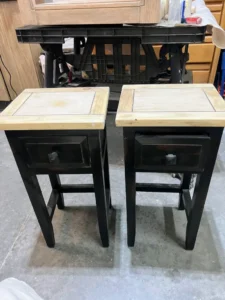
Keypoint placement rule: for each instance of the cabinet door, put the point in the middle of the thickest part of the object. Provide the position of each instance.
(58, 12)
(4, 96)
(77, 4)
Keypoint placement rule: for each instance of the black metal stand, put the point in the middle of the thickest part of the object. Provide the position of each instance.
(184, 150)
(63, 152)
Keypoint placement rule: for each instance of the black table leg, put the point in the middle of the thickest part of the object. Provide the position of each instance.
(55, 183)
(107, 178)
(99, 186)
(201, 190)
(175, 63)
(185, 184)
(130, 181)
(34, 191)
(49, 57)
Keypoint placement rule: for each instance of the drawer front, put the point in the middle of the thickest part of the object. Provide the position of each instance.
(200, 76)
(217, 16)
(57, 153)
(198, 53)
(171, 153)
(215, 6)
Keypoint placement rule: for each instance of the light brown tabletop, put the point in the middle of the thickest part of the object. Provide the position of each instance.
(57, 109)
(170, 105)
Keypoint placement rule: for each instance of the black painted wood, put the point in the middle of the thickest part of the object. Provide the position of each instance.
(56, 185)
(186, 196)
(34, 191)
(77, 188)
(57, 152)
(99, 185)
(63, 152)
(158, 187)
(170, 152)
(201, 189)
(130, 179)
(185, 184)
(52, 203)
(190, 150)
(106, 170)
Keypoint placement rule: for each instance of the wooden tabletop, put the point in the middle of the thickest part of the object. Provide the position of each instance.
(183, 105)
(57, 109)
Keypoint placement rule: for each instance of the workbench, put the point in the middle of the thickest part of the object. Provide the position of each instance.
(137, 65)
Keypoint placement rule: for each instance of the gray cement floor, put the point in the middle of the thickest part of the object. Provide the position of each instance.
(79, 268)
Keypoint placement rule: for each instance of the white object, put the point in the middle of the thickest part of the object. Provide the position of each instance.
(174, 15)
(218, 34)
(13, 289)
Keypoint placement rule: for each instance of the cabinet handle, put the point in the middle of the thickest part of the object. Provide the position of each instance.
(53, 157)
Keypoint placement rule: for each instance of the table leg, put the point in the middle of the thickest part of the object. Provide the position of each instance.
(107, 178)
(130, 182)
(49, 57)
(99, 186)
(201, 190)
(34, 191)
(185, 184)
(55, 183)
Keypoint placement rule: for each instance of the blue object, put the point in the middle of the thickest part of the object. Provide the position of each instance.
(223, 74)
(182, 12)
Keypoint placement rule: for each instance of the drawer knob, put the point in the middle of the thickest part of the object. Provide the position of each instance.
(53, 157)
(171, 159)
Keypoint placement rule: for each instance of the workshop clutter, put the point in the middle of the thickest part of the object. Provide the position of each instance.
(179, 11)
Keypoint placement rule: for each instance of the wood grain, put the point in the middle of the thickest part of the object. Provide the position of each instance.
(91, 122)
(126, 100)
(15, 105)
(217, 16)
(89, 16)
(208, 39)
(4, 96)
(17, 57)
(91, 12)
(59, 108)
(215, 6)
(100, 105)
(200, 76)
(215, 99)
(150, 12)
(172, 105)
(171, 119)
(199, 67)
(40, 5)
(166, 86)
(217, 51)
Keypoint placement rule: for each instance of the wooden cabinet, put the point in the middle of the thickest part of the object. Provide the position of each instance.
(56, 12)
(4, 95)
(19, 62)
(204, 57)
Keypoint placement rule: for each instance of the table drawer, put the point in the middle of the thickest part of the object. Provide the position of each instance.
(163, 153)
(57, 153)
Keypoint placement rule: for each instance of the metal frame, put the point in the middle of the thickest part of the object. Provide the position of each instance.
(193, 206)
(97, 145)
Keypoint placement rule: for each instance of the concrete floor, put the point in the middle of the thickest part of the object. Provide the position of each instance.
(79, 268)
